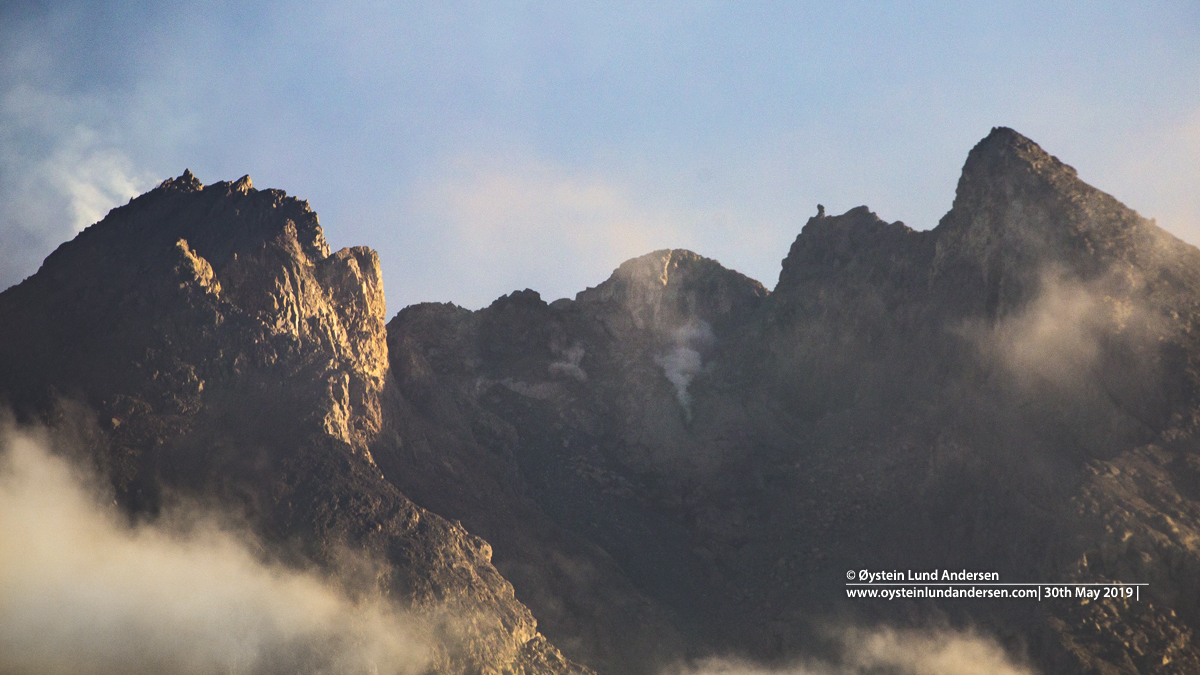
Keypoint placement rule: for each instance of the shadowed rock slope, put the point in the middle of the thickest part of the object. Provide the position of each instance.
(679, 456)
(216, 350)
(544, 427)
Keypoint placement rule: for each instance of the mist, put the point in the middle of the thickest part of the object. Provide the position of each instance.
(569, 362)
(896, 652)
(1055, 338)
(81, 590)
(1059, 338)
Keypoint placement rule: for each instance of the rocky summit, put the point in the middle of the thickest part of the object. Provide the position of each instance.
(678, 463)
(222, 353)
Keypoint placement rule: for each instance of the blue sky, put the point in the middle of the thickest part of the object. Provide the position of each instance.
(488, 147)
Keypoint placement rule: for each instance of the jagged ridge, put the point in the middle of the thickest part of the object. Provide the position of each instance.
(949, 398)
(228, 355)
(676, 463)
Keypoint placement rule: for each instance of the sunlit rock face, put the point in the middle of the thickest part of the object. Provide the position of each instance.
(210, 347)
(189, 287)
(678, 453)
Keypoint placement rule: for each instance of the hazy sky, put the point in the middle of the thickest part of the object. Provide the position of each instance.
(487, 147)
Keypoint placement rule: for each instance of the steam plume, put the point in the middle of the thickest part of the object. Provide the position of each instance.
(684, 361)
(569, 363)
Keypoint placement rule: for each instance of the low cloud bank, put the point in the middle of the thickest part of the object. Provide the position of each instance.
(82, 591)
(894, 652)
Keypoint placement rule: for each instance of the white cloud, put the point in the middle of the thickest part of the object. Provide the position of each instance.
(82, 591)
(58, 175)
(90, 178)
(885, 650)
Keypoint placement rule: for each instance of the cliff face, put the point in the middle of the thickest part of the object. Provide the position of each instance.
(1012, 391)
(525, 419)
(226, 355)
(188, 288)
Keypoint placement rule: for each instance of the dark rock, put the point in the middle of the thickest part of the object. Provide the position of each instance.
(902, 400)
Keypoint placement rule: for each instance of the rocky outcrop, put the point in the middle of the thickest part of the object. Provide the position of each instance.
(226, 355)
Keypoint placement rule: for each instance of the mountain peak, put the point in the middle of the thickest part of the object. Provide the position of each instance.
(186, 182)
(1006, 137)
(670, 286)
(243, 185)
(1013, 190)
(1005, 150)
(1019, 212)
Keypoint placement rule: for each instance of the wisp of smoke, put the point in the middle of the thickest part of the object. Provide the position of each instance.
(58, 174)
(1057, 337)
(927, 653)
(890, 651)
(569, 363)
(82, 591)
(684, 361)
